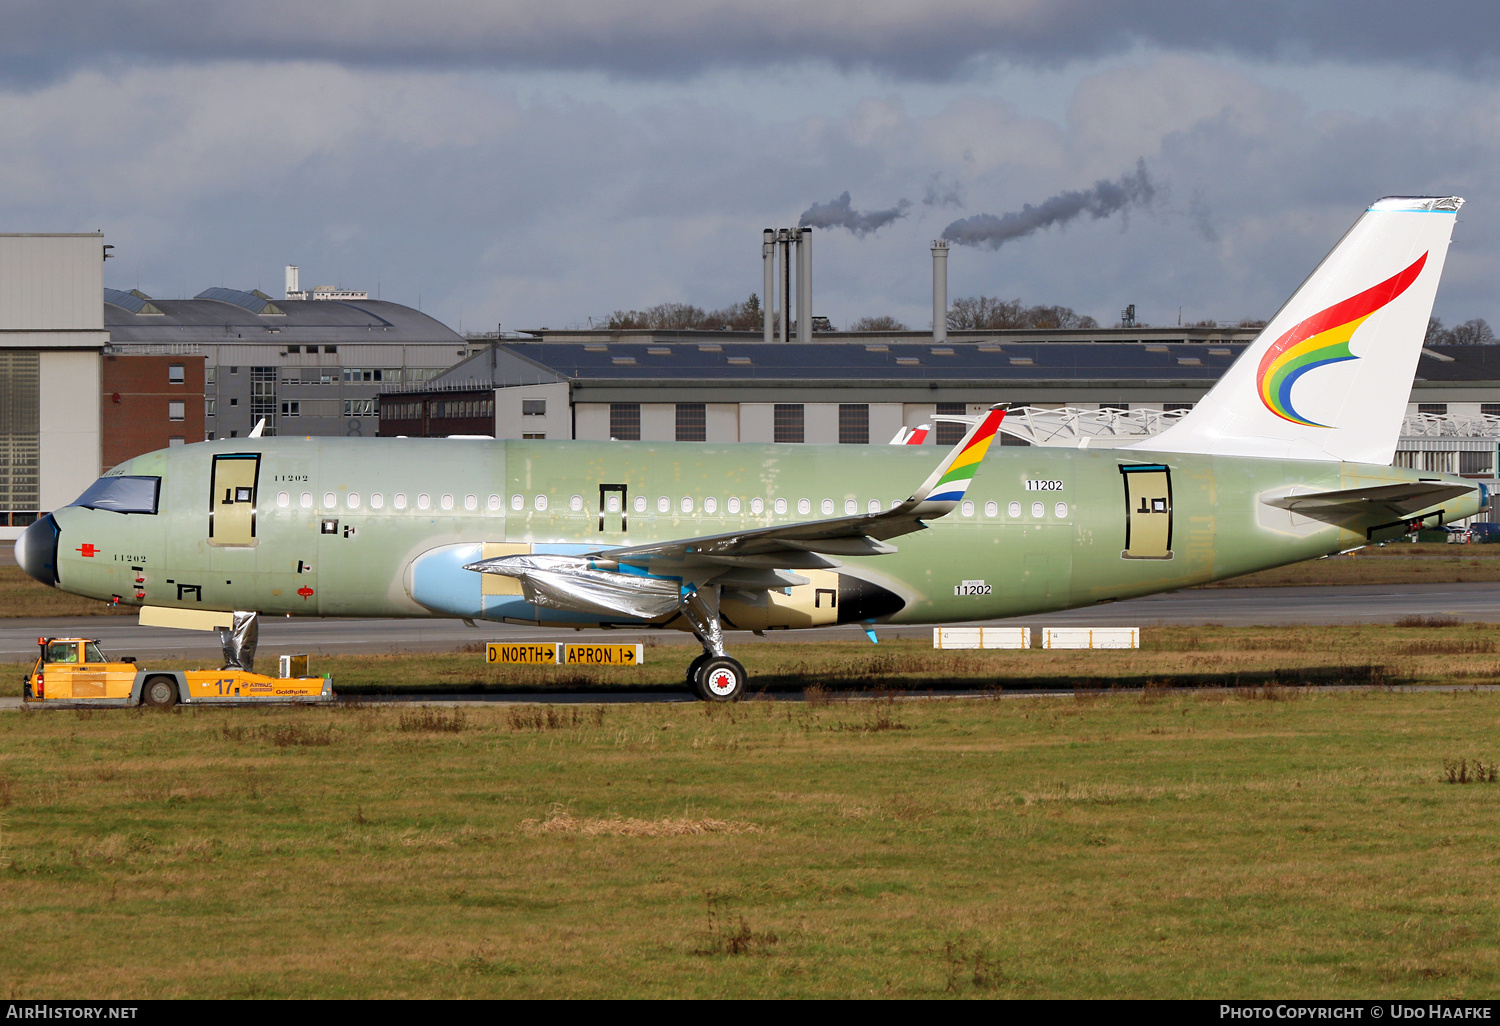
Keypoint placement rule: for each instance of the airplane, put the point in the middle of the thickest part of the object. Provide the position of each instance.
(1287, 458)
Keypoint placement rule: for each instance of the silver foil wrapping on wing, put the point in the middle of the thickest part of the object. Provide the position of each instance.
(574, 584)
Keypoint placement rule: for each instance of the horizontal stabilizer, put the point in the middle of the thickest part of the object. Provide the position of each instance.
(1380, 503)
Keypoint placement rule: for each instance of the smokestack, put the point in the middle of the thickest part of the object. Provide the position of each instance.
(784, 248)
(939, 290)
(291, 280)
(804, 284)
(768, 290)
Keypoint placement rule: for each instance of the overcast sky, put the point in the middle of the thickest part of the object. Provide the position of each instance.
(543, 163)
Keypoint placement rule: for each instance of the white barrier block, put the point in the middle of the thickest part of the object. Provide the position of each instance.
(981, 637)
(1091, 637)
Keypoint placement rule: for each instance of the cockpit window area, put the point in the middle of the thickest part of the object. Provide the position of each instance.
(122, 494)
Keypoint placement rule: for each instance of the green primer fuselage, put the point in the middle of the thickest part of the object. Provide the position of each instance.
(336, 555)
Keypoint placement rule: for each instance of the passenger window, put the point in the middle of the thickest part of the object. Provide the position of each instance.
(873, 507)
(710, 505)
(991, 509)
(804, 506)
(575, 503)
(330, 500)
(306, 501)
(687, 504)
(757, 506)
(640, 504)
(283, 499)
(734, 505)
(400, 500)
(781, 505)
(471, 502)
(377, 500)
(663, 504)
(827, 507)
(1014, 509)
(851, 506)
(424, 501)
(516, 502)
(540, 502)
(966, 508)
(91, 653)
(352, 500)
(446, 501)
(494, 502)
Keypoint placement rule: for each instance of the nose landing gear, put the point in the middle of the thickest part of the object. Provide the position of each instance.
(239, 641)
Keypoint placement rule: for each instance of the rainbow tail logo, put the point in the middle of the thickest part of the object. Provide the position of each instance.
(1320, 340)
(946, 486)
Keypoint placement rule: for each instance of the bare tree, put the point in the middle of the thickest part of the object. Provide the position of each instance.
(1436, 335)
(881, 323)
(987, 313)
(1471, 333)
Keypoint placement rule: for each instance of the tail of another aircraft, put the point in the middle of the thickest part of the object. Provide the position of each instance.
(1329, 378)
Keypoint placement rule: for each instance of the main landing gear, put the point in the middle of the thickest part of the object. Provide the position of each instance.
(714, 676)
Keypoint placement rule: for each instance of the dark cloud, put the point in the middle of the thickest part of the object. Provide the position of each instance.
(838, 213)
(1104, 199)
(664, 39)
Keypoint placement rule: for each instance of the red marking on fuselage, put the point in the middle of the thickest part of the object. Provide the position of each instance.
(86, 550)
(305, 592)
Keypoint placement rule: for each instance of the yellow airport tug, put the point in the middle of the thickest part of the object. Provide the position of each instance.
(73, 672)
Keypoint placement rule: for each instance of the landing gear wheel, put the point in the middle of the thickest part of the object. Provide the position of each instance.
(721, 679)
(159, 693)
(693, 668)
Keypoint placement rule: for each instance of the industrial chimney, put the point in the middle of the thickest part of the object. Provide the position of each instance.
(291, 282)
(768, 290)
(804, 285)
(939, 290)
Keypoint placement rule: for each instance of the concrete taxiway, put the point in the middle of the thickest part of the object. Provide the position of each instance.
(121, 635)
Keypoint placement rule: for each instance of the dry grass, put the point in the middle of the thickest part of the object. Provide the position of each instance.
(1430, 648)
(22, 596)
(1395, 563)
(1245, 843)
(561, 821)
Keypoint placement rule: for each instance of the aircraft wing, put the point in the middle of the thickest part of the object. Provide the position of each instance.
(1382, 502)
(804, 545)
(647, 580)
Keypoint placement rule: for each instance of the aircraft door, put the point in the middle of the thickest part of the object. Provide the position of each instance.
(232, 495)
(1148, 511)
(613, 503)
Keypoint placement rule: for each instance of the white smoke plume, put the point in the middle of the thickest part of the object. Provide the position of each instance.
(1104, 199)
(838, 213)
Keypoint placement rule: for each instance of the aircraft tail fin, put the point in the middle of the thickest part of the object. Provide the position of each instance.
(1330, 376)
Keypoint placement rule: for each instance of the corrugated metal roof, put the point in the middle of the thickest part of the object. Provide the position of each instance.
(373, 321)
(255, 301)
(1104, 361)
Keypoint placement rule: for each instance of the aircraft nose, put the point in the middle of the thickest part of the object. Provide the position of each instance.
(36, 550)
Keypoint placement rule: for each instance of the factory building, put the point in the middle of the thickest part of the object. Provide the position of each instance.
(1095, 387)
(311, 366)
(51, 336)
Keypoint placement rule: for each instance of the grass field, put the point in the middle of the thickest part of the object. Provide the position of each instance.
(1260, 842)
(1425, 650)
(1392, 564)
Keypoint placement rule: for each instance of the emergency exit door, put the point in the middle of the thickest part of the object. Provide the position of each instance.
(1148, 511)
(231, 510)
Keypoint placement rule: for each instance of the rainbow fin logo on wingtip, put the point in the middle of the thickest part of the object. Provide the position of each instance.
(1320, 340)
(955, 481)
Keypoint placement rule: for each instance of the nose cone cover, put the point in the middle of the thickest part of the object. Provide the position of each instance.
(36, 550)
